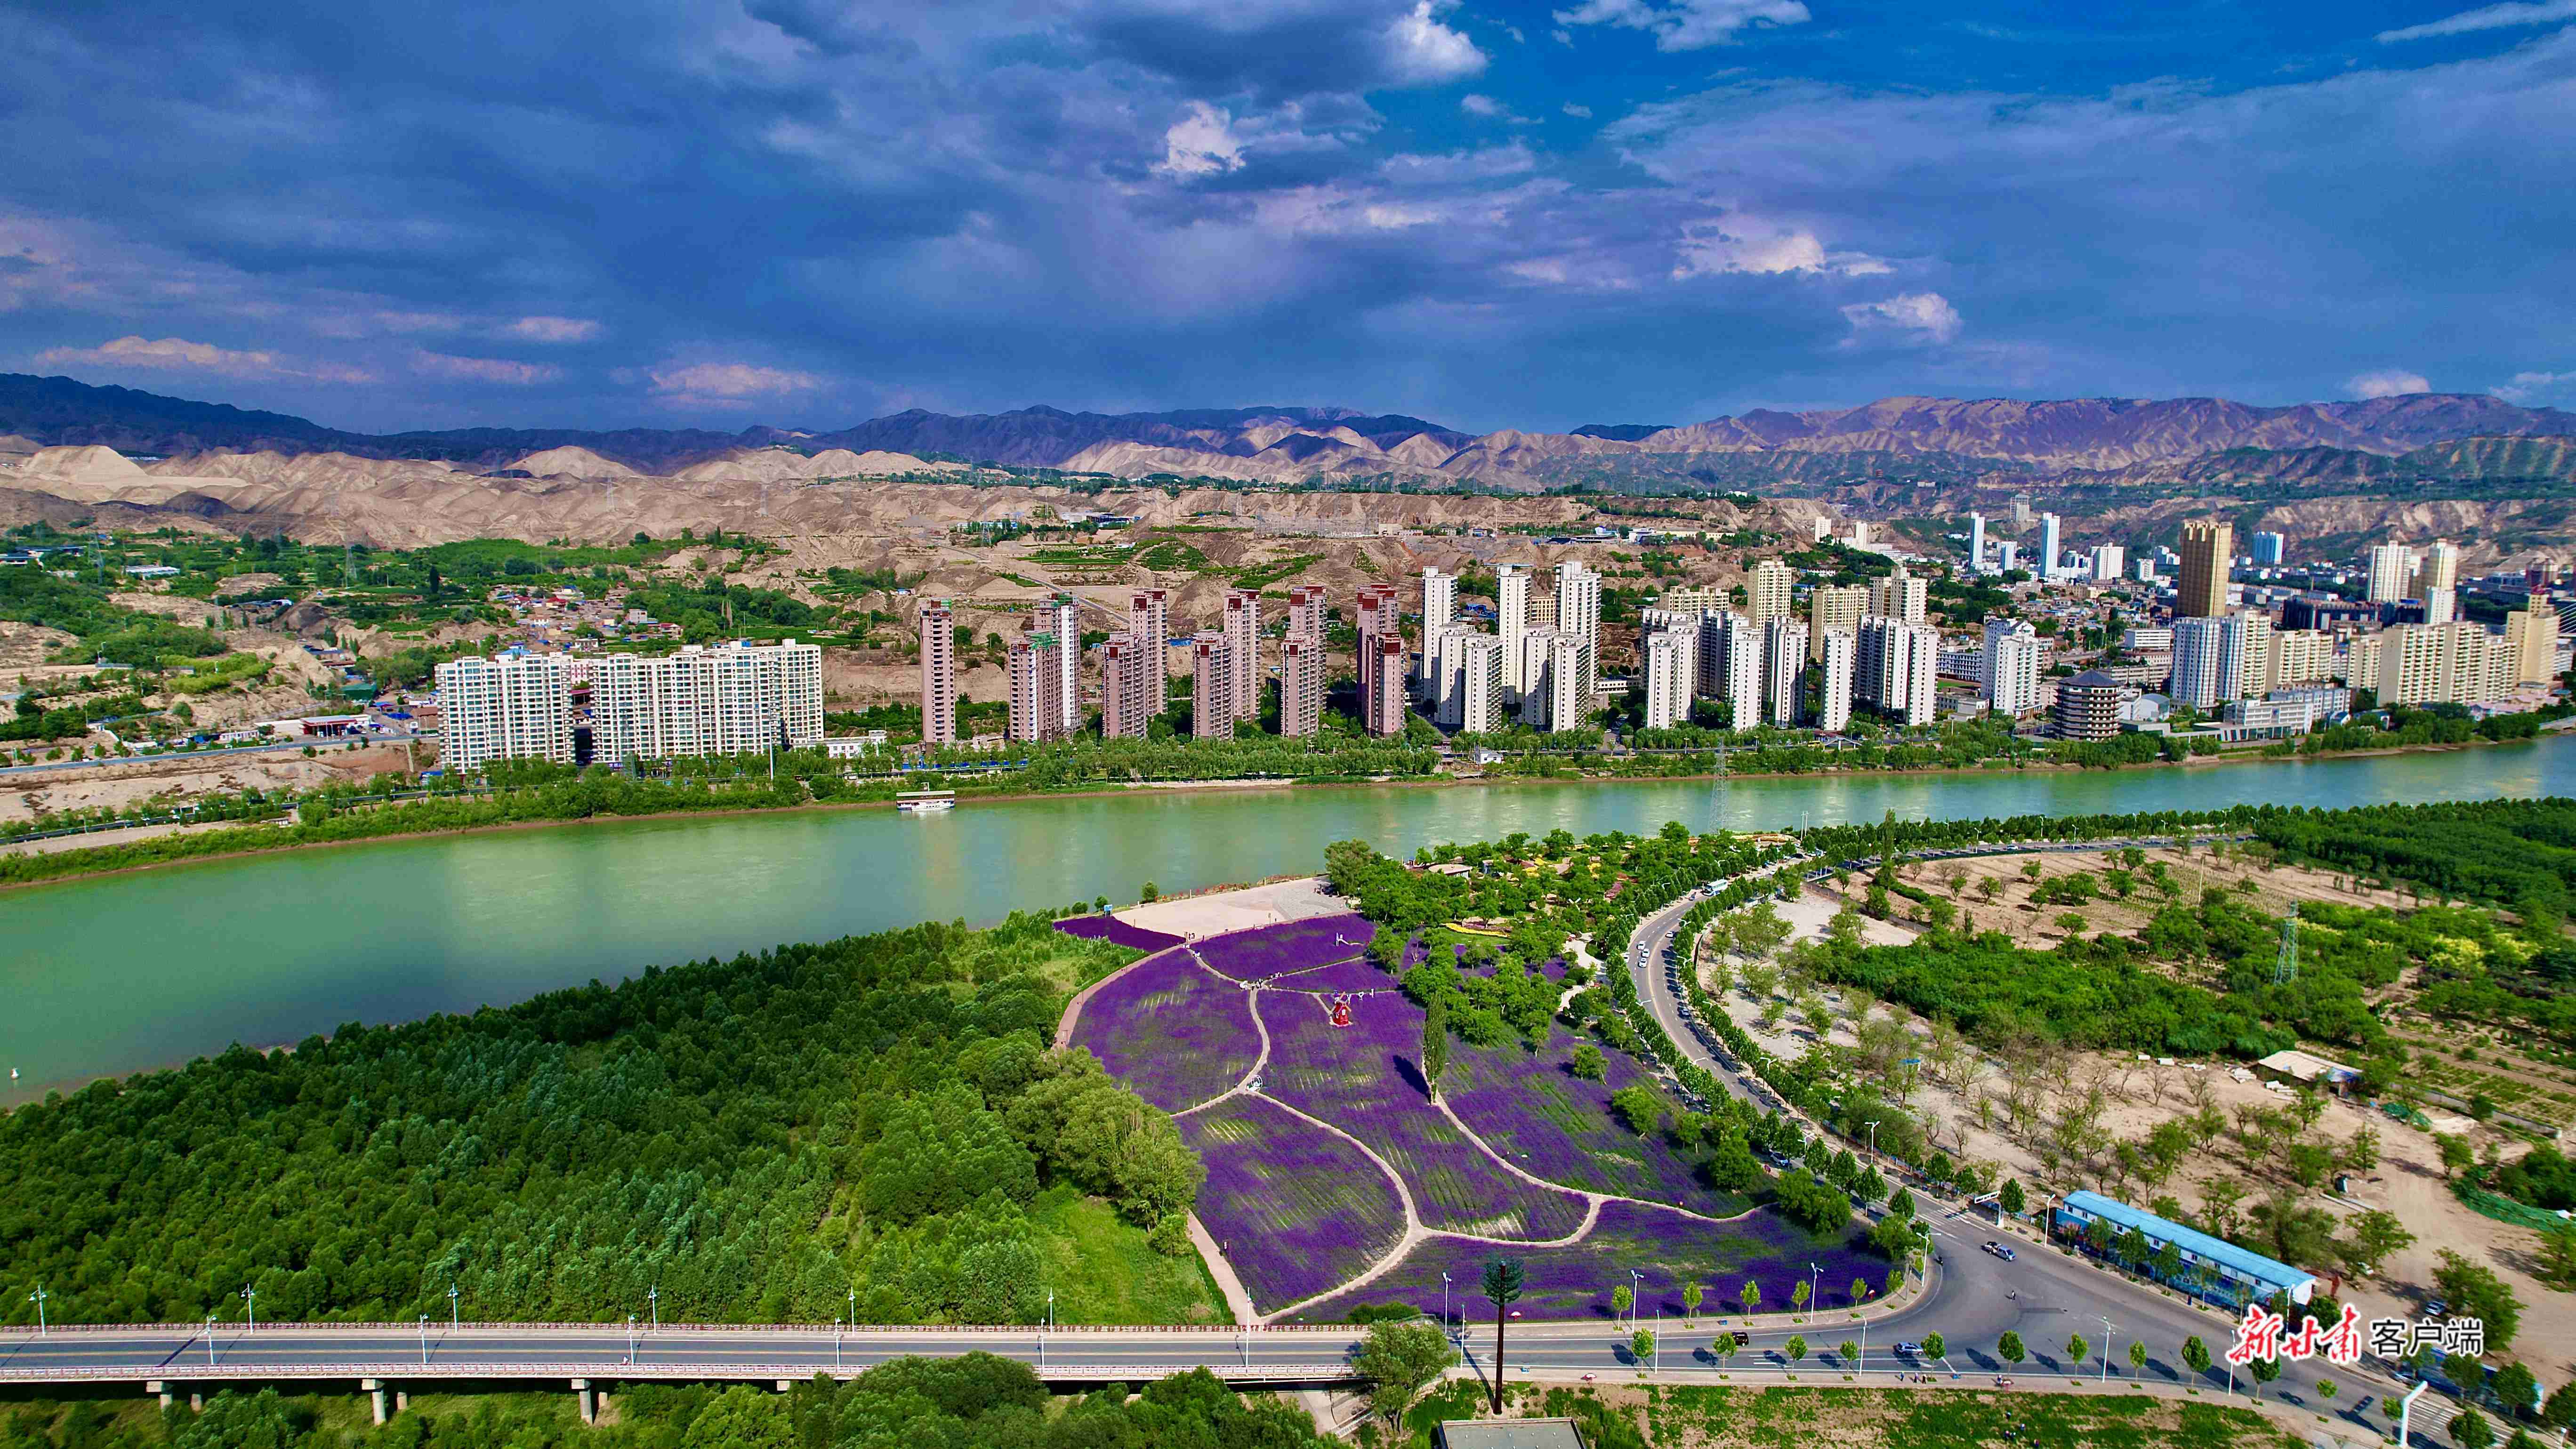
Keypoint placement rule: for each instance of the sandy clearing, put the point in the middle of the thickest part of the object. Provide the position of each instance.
(1238, 909)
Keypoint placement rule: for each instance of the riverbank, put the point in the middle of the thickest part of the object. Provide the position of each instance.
(82, 859)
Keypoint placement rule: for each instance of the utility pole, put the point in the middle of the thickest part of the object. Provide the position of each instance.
(1444, 1298)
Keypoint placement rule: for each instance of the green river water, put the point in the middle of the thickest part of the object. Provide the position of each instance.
(119, 973)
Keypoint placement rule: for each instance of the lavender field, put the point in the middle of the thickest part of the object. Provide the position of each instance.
(1291, 946)
(1294, 1208)
(1359, 975)
(1116, 932)
(1170, 1030)
(1668, 1248)
(1560, 1126)
(1364, 1079)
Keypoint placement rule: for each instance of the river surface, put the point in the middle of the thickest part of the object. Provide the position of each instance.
(119, 973)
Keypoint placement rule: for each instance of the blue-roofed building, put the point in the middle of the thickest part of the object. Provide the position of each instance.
(2213, 1268)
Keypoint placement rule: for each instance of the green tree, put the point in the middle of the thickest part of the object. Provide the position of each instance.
(2470, 1430)
(2137, 1355)
(1849, 1353)
(2011, 1197)
(1623, 1298)
(1399, 1360)
(1692, 1294)
(2560, 1411)
(2263, 1370)
(2558, 1256)
(1750, 1295)
(1935, 1347)
(2475, 1291)
(2009, 1348)
(1641, 1344)
(1435, 1044)
(2378, 1233)
(1502, 1284)
(2076, 1349)
(263, 1420)
(2517, 1389)
(2195, 1355)
(1795, 1349)
(1798, 1296)
(1589, 1064)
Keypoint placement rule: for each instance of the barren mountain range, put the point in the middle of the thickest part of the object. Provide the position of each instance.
(1934, 437)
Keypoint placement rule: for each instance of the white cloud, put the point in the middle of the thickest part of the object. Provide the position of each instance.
(2531, 386)
(1685, 24)
(483, 369)
(2387, 382)
(1706, 249)
(1581, 113)
(179, 354)
(1476, 105)
(726, 384)
(2486, 17)
(554, 329)
(1201, 143)
(1911, 317)
(1422, 51)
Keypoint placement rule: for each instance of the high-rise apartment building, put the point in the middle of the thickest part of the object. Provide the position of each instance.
(2252, 645)
(2208, 662)
(515, 707)
(1769, 590)
(1671, 675)
(1836, 664)
(1744, 674)
(2208, 550)
(1480, 684)
(2007, 556)
(1382, 680)
(1149, 619)
(2048, 546)
(1831, 607)
(2107, 560)
(1061, 616)
(2009, 667)
(1784, 670)
(1578, 612)
(1126, 703)
(2439, 664)
(1512, 621)
(1899, 596)
(2391, 567)
(1976, 543)
(1301, 685)
(1684, 626)
(1212, 709)
(1439, 608)
(732, 699)
(1896, 668)
(1243, 651)
(2270, 549)
(1554, 698)
(2438, 582)
(1036, 685)
(1444, 672)
(938, 674)
(1306, 611)
(2294, 657)
(2533, 631)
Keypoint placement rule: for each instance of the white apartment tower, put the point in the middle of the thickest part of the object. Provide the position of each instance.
(938, 674)
(1212, 710)
(733, 699)
(2009, 669)
(1670, 676)
(2048, 546)
(1125, 709)
(1512, 621)
(1480, 696)
(1444, 673)
(1306, 611)
(1769, 590)
(2206, 670)
(1554, 698)
(1831, 607)
(1835, 665)
(1301, 685)
(516, 707)
(1976, 543)
(2439, 582)
(1578, 612)
(1895, 669)
(2390, 563)
(1784, 656)
(2108, 559)
(1439, 607)
(1744, 673)
(1243, 651)
(1062, 617)
(1899, 596)
(1382, 680)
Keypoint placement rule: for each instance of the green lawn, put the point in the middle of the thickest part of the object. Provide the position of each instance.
(1102, 1271)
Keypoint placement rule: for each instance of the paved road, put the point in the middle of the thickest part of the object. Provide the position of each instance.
(2043, 1295)
(324, 745)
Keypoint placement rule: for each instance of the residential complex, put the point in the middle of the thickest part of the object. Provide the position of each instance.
(731, 699)
(1037, 687)
(2207, 553)
(938, 674)
(516, 707)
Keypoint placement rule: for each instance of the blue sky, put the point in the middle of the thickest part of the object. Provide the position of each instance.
(808, 212)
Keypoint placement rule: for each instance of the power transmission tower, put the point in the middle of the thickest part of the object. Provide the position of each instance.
(2287, 966)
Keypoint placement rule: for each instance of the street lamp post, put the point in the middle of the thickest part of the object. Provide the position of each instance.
(210, 1340)
(38, 1298)
(1873, 1139)
(1814, 1274)
(630, 1340)
(2108, 1330)
(1444, 1304)
(1636, 1291)
(451, 1308)
(836, 1343)
(424, 1340)
(250, 1309)
(653, 1299)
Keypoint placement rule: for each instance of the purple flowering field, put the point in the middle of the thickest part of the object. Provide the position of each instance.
(1365, 1079)
(1170, 1030)
(1360, 975)
(1560, 1126)
(1294, 1208)
(1668, 1248)
(1290, 946)
(1116, 932)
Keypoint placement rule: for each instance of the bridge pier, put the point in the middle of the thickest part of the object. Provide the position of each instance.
(402, 1401)
(589, 1407)
(156, 1386)
(784, 1385)
(196, 1402)
(376, 1394)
